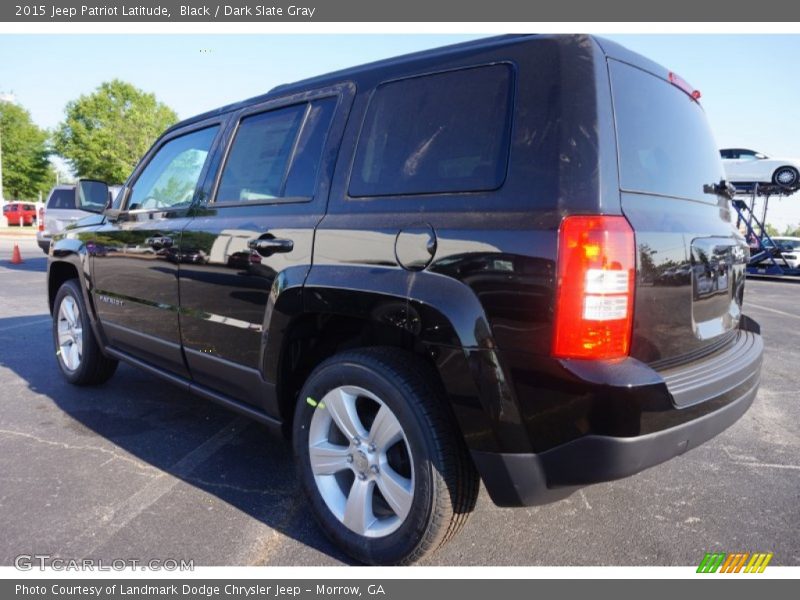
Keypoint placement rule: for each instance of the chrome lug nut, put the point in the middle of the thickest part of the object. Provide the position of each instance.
(374, 469)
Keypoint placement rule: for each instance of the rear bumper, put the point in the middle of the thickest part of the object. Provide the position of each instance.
(707, 397)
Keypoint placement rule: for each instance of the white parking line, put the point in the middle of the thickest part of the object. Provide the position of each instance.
(774, 310)
(121, 515)
(768, 465)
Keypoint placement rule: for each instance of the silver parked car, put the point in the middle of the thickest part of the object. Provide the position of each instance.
(61, 211)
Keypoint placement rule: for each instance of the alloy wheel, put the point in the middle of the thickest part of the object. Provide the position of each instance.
(361, 461)
(786, 176)
(70, 334)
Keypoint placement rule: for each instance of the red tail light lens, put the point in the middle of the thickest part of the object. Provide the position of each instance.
(594, 298)
(41, 219)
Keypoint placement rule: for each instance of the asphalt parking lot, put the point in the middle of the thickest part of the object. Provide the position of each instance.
(139, 469)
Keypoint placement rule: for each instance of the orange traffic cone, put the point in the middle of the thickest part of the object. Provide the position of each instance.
(16, 257)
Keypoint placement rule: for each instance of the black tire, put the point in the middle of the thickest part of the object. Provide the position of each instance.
(786, 177)
(444, 481)
(93, 367)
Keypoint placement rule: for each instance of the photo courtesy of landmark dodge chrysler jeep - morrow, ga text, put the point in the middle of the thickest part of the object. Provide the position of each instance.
(431, 271)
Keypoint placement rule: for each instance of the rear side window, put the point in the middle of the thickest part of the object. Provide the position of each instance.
(62, 199)
(275, 155)
(665, 144)
(447, 132)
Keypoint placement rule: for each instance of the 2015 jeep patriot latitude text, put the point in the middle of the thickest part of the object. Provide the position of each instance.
(511, 259)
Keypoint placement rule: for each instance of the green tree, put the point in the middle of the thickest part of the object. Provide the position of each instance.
(176, 184)
(105, 133)
(792, 231)
(26, 170)
(772, 231)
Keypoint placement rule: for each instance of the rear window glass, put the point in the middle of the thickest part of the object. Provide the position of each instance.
(260, 155)
(447, 132)
(665, 144)
(62, 199)
(275, 155)
(302, 178)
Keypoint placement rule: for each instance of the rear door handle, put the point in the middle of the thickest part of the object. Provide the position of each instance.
(268, 246)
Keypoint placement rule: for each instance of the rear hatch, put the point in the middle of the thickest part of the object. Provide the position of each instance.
(690, 257)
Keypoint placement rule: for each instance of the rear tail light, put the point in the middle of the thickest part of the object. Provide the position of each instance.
(41, 219)
(594, 298)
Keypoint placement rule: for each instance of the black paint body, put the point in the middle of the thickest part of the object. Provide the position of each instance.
(466, 280)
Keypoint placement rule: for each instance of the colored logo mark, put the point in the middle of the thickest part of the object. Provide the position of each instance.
(735, 562)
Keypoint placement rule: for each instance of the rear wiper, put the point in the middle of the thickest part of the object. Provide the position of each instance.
(723, 188)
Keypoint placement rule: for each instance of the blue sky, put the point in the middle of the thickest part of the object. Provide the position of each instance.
(749, 82)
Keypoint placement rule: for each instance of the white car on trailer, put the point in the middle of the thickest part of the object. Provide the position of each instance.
(744, 167)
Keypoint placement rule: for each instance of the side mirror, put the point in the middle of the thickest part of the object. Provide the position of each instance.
(91, 195)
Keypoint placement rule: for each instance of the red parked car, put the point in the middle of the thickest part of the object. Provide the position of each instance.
(20, 213)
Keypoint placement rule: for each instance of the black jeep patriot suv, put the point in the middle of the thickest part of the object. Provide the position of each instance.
(509, 260)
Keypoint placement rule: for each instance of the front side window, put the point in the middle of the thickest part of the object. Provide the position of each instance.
(170, 178)
(749, 155)
(447, 132)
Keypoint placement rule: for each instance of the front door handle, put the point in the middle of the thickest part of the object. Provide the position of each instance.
(269, 246)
